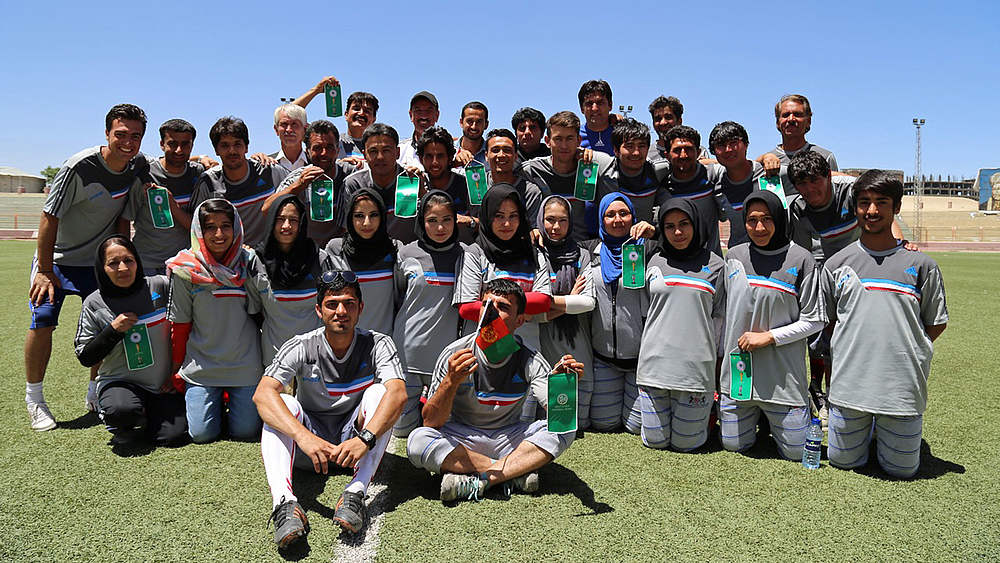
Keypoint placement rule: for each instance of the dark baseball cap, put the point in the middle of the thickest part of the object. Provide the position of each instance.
(427, 96)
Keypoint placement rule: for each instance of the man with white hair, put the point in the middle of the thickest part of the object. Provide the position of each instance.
(290, 127)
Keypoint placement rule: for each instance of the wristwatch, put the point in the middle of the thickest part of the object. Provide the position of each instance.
(368, 438)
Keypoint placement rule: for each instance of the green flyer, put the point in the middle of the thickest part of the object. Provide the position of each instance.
(159, 208)
(321, 199)
(334, 105)
(773, 184)
(407, 189)
(475, 179)
(562, 402)
(741, 374)
(138, 349)
(586, 181)
(634, 266)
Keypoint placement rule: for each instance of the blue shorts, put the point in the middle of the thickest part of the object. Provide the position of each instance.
(74, 280)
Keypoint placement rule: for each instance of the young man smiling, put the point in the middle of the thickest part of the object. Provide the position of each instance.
(359, 112)
(692, 180)
(638, 178)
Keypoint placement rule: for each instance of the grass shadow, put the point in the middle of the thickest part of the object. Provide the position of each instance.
(931, 467)
(560, 480)
(82, 422)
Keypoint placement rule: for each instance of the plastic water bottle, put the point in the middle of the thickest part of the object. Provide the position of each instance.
(811, 449)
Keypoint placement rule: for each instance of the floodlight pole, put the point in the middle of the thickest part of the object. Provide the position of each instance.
(918, 185)
(625, 111)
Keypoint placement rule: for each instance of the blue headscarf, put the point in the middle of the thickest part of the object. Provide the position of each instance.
(611, 247)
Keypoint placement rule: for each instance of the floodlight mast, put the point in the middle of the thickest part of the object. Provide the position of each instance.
(918, 185)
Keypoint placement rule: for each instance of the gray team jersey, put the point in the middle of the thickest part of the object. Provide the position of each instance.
(426, 321)
(247, 195)
(459, 192)
(678, 347)
(735, 193)
(881, 354)
(619, 316)
(321, 232)
(477, 271)
(835, 226)
(703, 190)
(150, 305)
(223, 348)
(531, 194)
(378, 280)
(350, 146)
(553, 345)
(329, 388)
(540, 172)
(399, 228)
(287, 312)
(87, 198)
(641, 189)
(500, 404)
(786, 158)
(767, 289)
(156, 246)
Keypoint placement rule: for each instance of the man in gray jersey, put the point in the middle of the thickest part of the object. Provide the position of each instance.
(350, 391)
(359, 112)
(728, 142)
(638, 178)
(690, 179)
(176, 172)
(436, 153)
(529, 125)
(474, 434)
(556, 174)
(323, 145)
(793, 117)
(245, 183)
(424, 113)
(889, 307)
(290, 126)
(83, 207)
(667, 112)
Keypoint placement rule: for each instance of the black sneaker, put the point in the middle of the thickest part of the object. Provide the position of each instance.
(350, 512)
(290, 523)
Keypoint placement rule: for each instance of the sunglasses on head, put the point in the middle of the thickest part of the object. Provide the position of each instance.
(331, 276)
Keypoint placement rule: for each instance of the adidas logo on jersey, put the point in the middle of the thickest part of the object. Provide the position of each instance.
(793, 271)
(912, 271)
(517, 378)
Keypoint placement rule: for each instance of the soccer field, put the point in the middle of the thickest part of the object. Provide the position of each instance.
(67, 497)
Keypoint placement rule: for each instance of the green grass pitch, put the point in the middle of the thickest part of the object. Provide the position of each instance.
(67, 497)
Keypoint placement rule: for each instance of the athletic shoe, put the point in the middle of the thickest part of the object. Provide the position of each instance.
(459, 487)
(290, 523)
(350, 512)
(527, 483)
(41, 416)
(91, 401)
(824, 417)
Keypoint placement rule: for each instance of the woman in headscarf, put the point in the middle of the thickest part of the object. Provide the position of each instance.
(774, 303)
(123, 328)
(568, 328)
(216, 343)
(617, 320)
(503, 249)
(427, 322)
(367, 250)
(677, 353)
(283, 274)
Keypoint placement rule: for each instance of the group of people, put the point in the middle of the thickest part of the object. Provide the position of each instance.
(312, 298)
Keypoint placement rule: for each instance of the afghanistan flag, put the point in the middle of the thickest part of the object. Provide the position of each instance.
(494, 339)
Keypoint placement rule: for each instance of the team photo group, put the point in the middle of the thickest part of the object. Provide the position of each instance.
(487, 298)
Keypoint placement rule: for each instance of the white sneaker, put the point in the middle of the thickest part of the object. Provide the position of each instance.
(91, 401)
(462, 487)
(41, 417)
(824, 417)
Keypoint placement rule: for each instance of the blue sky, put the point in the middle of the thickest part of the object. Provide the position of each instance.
(867, 67)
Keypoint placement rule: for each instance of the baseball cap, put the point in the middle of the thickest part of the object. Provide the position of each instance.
(427, 96)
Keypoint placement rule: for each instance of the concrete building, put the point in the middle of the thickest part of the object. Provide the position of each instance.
(13, 180)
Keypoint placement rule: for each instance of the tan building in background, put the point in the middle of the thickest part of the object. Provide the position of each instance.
(13, 180)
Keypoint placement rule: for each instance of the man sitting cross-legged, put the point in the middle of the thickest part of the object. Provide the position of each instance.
(475, 434)
(350, 391)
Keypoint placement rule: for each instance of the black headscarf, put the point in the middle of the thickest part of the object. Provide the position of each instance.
(421, 232)
(503, 253)
(564, 257)
(107, 287)
(778, 213)
(698, 238)
(287, 270)
(368, 251)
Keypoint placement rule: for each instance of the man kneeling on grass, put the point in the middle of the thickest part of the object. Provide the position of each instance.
(350, 391)
(475, 435)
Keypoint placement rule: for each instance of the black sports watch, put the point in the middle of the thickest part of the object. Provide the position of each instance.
(368, 437)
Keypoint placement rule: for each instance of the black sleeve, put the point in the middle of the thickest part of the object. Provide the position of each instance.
(100, 346)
